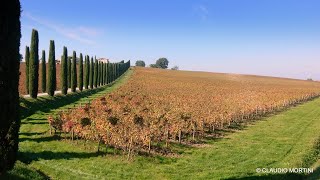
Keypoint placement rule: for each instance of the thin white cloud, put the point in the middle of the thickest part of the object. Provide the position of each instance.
(80, 34)
(89, 31)
(202, 11)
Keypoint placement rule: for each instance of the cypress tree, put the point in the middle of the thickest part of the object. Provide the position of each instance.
(51, 83)
(99, 78)
(114, 71)
(69, 71)
(107, 73)
(87, 72)
(27, 57)
(118, 70)
(98, 74)
(43, 72)
(80, 73)
(91, 73)
(111, 72)
(102, 71)
(34, 64)
(64, 71)
(74, 72)
(103, 75)
(95, 74)
(10, 35)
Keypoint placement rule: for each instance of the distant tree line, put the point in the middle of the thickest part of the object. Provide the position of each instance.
(161, 63)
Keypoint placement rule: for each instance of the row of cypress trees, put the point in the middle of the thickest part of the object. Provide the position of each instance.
(32, 67)
(91, 74)
(10, 34)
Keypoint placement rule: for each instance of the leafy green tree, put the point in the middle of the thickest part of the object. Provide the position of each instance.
(27, 57)
(10, 34)
(175, 68)
(43, 72)
(52, 80)
(140, 63)
(81, 72)
(162, 63)
(74, 72)
(153, 66)
(64, 71)
(34, 64)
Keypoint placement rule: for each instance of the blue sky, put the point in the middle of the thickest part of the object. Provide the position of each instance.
(264, 37)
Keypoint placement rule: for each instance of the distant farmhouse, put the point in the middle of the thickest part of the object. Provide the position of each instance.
(104, 60)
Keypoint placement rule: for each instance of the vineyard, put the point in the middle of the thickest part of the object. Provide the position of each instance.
(157, 107)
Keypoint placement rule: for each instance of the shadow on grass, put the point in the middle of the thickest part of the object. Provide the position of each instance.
(45, 122)
(28, 157)
(47, 103)
(32, 133)
(22, 172)
(40, 139)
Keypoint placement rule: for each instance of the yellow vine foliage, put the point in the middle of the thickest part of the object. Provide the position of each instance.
(163, 106)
